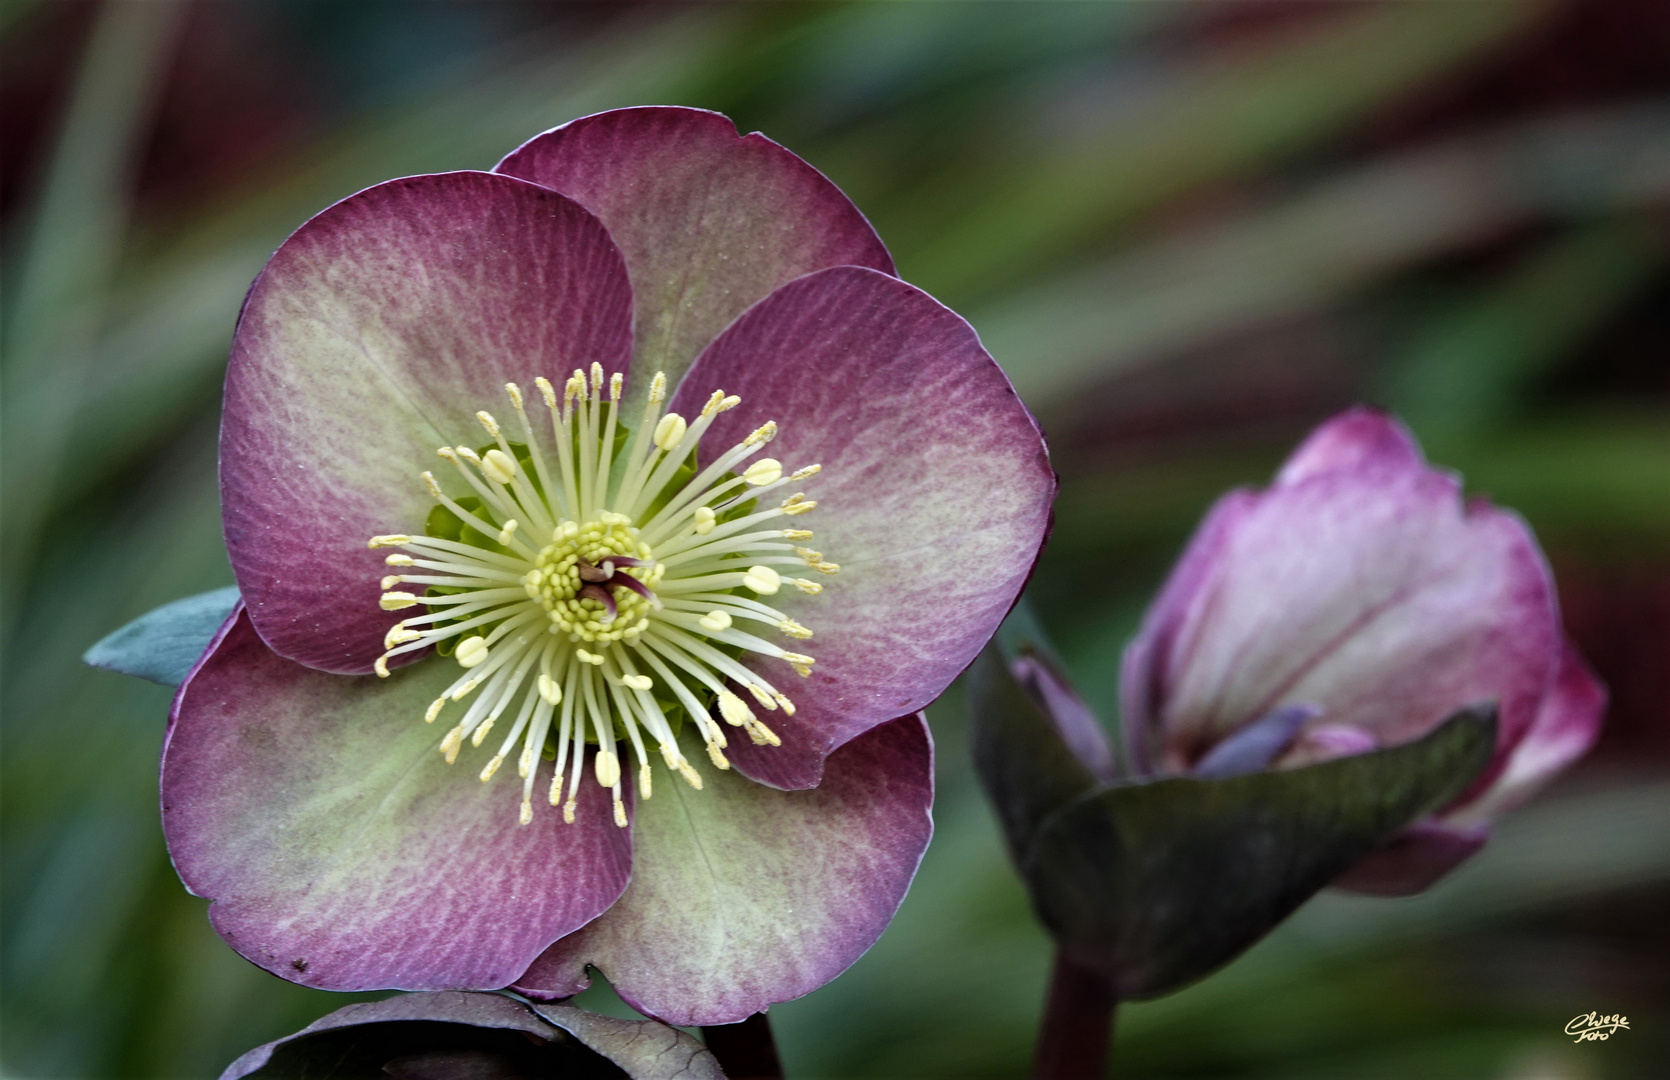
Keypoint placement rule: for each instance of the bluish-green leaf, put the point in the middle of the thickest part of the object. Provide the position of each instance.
(162, 645)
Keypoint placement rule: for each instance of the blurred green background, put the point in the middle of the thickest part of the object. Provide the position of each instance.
(1189, 231)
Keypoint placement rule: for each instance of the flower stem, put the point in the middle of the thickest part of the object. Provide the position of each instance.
(1078, 1022)
(746, 1051)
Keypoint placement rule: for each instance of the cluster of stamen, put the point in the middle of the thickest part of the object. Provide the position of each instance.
(603, 585)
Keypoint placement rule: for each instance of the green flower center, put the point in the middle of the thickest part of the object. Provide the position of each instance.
(599, 589)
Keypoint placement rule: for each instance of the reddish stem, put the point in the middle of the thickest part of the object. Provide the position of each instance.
(1078, 1023)
(746, 1051)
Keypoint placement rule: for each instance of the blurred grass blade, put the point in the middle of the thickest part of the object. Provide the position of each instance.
(1322, 244)
(1209, 120)
(56, 304)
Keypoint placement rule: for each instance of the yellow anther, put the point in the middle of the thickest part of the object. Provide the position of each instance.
(453, 743)
(399, 634)
(596, 377)
(794, 629)
(588, 658)
(486, 420)
(797, 534)
(812, 557)
(761, 696)
(658, 387)
(400, 560)
(807, 586)
(466, 690)
(555, 797)
(434, 710)
(810, 470)
(691, 776)
(498, 466)
(471, 651)
(646, 783)
(433, 488)
(381, 667)
(390, 582)
(620, 814)
(784, 703)
(827, 567)
(515, 393)
(730, 402)
(568, 811)
(762, 579)
(706, 519)
(606, 767)
(714, 401)
(492, 767)
(394, 601)
(525, 817)
(801, 663)
(764, 471)
(733, 709)
(762, 735)
(391, 540)
(616, 381)
(546, 391)
(716, 621)
(549, 690)
(762, 434)
(669, 430)
(508, 531)
(717, 756)
(575, 387)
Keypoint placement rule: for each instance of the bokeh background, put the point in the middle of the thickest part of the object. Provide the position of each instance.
(1189, 231)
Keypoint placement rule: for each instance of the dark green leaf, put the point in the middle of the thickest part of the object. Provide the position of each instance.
(1160, 883)
(162, 645)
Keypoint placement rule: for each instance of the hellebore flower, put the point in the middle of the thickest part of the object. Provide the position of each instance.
(601, 337)
(1356, 604)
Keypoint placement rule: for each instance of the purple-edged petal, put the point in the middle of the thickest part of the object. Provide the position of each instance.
(1368, 589)
(1414, 860)
(710, 221)
(743, 896)
(339, 848)
(371, 338)
(934, 496)
(1566, 726)
(470, 1036)
(491, 1011)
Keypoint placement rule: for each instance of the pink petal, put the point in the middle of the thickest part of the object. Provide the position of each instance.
(1361, 584)
(339, 848)
(371, 338)
(1566, 726)
(743, 896)
(934, 496)
(1358, 440)
(710, 221)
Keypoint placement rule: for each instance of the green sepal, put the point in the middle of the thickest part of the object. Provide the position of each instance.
(1158, 881)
